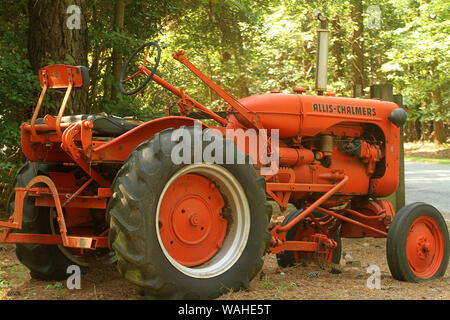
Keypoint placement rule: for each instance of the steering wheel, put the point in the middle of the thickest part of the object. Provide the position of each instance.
(141, 69)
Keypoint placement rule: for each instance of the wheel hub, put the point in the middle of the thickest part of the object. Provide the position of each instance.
(191, 225)
(424, 247)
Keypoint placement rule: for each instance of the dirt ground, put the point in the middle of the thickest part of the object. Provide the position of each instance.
(306, 281)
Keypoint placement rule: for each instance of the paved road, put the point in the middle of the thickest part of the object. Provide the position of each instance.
(428, 183)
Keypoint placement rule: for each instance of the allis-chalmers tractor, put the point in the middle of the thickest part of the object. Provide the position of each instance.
(197, 229)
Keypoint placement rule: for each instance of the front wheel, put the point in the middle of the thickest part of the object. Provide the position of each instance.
(187, 231)
(418, 244)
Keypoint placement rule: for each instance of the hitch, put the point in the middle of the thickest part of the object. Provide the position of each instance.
(15, 221)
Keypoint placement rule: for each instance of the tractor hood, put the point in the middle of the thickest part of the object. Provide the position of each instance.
(307, 115)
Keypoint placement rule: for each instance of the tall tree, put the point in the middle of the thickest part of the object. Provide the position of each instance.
(119, 17)
(357, 60)
(337, 48)
(53, 38)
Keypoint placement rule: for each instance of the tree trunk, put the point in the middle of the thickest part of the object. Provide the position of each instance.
(439, 132)
(117, 59)
(238, 53)
(410, 131)
(426, 131)
(337, 49)
(438, 125)
(306, 49)
(50, 40)
(357, 60)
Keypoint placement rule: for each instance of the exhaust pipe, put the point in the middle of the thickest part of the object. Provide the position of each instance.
(322, 53)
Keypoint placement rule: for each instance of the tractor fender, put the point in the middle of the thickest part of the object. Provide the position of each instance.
(118, 149)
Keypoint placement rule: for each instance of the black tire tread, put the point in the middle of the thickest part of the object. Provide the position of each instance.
(128, 232)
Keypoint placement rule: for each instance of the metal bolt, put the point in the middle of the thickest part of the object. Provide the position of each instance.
(193, 219)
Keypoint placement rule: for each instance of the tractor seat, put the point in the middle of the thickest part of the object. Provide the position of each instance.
(110, 126)
(60, 76)
(104, 125)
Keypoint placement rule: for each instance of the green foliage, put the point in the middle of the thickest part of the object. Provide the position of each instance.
(5, 283)
(18, 91)
(55, 285)
(143, 20)
(419, 64)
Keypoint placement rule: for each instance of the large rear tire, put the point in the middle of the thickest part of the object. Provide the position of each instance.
(418, 244)
(45, 262)
(187, 231)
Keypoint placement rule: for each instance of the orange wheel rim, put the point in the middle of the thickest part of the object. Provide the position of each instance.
(424, 247)
(190, 220)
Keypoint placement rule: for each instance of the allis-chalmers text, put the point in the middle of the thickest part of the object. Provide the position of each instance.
(349, 110)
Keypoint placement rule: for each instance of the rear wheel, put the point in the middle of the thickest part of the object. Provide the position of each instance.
(45, 262)
(418, 244)
(187, 231)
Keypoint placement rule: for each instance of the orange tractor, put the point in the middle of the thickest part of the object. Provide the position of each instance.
(196, 228)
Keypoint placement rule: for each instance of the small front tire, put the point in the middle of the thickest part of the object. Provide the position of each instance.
(418, 244)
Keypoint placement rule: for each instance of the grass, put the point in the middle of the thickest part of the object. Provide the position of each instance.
(5, 283)
(421, 159)
(266, 283)
(282, 289)
(57, 289)
(56, 285)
